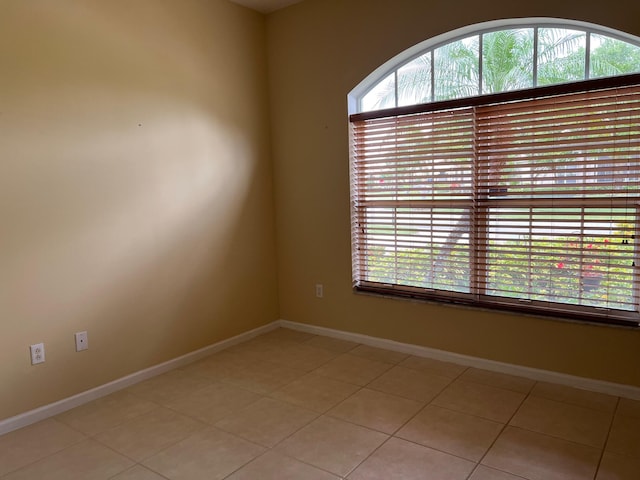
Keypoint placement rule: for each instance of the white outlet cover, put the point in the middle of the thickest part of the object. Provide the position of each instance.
(82, 341)
(37, 353)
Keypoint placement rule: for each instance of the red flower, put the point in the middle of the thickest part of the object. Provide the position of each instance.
(560, 265)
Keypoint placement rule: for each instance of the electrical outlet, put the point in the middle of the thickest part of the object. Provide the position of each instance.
(82, 341)
(319, 290)
(37, 353)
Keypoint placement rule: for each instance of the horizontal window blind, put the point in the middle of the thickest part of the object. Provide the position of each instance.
(408, 191)
(528, 204)
(575, 145)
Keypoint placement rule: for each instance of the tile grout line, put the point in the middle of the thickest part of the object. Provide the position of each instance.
(393, 435)
(213, 426)
(319, 415)
(267, 395)
(502, 430)
(206, 425)
(430, 402)
(86, 437)
(606, 441)
(326, 413)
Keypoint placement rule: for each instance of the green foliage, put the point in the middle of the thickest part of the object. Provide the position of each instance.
(507, 60)
(417, 267)
(595, 273)
(614, 57)
(414, 81)
(457, 69)
(590, 273)
(553, 273)
(561, 55)
(507, 64)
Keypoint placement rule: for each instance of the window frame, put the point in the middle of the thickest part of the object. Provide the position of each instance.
(354, 98)
(588, 313)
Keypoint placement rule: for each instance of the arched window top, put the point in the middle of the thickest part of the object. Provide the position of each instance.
(495, 57)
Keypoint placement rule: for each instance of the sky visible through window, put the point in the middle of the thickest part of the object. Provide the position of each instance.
(502, 60)
(529, 203)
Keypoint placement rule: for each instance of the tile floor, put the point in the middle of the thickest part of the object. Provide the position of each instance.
(289, 405)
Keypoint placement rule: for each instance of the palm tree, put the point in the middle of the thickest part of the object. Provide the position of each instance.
(507, 64)
(561, 55)
(613, 57)
(457, 69)
(507, 58)
(414, 81)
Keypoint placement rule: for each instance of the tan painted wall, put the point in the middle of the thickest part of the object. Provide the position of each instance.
(318, 51)
(135, 187)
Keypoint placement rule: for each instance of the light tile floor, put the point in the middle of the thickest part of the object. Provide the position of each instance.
(293, 406)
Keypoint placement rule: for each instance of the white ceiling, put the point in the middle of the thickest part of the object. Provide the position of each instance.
(266, 6)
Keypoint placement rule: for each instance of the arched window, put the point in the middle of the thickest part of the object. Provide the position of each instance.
(498, 57)
(499, 165)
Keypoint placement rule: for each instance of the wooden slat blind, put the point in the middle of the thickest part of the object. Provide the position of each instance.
(407, 191)
(526, 204)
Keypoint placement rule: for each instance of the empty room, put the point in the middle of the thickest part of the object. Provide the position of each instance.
(319, 239)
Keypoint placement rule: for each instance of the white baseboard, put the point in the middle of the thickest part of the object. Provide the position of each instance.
(601, 386)
(46, 411)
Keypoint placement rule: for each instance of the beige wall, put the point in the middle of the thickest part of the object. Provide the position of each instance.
(318, 51)
(135, 187)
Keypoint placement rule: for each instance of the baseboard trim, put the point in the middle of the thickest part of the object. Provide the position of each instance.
(601, 386)
(46, 411)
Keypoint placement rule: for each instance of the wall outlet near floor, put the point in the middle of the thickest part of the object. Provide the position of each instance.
(319, 290)
(37, 353)
(82, 341)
